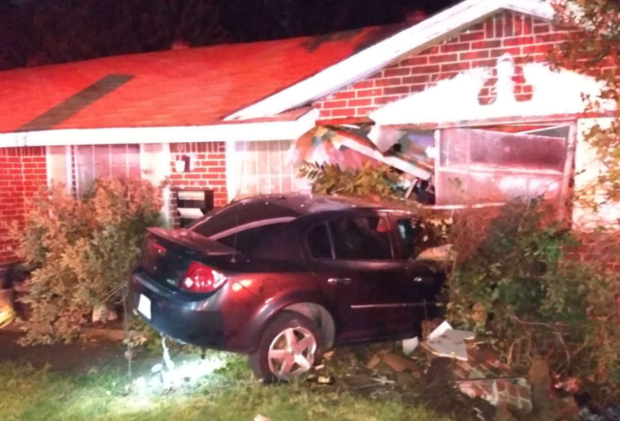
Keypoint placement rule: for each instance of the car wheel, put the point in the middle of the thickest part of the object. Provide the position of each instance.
(290, 345)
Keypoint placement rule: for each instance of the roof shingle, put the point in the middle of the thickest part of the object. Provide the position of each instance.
(191, 87)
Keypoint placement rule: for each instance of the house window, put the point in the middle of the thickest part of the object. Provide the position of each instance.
(492, 166)
(265, 168)
(102, 161)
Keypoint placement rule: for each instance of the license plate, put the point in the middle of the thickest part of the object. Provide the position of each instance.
(144, 306)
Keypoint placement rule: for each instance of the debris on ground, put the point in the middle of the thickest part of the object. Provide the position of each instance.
(410, 345)
(478, 373)
(608, 414)
(548, 404)
(429, 326)
(328, 355)
(374, 362)
(447, 342)
(383, 381)
(327, 380)
(399, 363)
(362, 382)
(503, 414)
(406, 379)
(470, 375)
(484, 376)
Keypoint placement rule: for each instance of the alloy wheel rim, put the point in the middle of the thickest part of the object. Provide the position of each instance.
(292, 353)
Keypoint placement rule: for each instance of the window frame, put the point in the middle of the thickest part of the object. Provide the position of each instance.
(239, 172)
(79, 182)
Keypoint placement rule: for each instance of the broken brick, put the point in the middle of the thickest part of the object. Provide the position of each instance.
(399, 363)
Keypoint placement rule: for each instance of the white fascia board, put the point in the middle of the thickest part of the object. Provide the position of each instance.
(538, 8)
(392, 161)
(266, 131)
(373, 59)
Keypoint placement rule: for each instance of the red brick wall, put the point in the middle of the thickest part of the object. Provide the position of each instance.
(22, 172)
(209, 171)
(524, 37)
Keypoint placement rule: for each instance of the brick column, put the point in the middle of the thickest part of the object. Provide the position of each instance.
(22, 173)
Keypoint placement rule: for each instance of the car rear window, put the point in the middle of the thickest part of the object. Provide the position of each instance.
(242, 214)
(246, 240)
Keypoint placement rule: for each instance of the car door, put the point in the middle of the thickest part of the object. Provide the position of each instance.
(352, 257)
(423, 280)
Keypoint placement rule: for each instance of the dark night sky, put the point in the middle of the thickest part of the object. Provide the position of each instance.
(40, 32)
(432, 6)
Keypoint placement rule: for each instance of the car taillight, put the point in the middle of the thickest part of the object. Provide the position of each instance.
(202, 278)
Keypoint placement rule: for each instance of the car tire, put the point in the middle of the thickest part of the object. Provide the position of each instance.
(289, 346)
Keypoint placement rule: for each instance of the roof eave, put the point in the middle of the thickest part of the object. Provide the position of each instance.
(241, 131)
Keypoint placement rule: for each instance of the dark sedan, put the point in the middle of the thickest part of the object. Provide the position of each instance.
(284, 278)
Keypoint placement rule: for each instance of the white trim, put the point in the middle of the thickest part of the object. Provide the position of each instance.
(371, 60)
(266, 131)
(234, 162)
(68, 168)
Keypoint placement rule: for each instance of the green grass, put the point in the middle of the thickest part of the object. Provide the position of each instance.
(28, 394)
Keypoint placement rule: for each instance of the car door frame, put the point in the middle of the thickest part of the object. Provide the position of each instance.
(417, 271)
(394, 264)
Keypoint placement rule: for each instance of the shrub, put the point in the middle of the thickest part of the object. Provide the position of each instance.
(517, 285)
(369, 181)
(81, 251)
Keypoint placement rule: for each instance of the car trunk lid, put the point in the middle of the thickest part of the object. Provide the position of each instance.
(167, 254)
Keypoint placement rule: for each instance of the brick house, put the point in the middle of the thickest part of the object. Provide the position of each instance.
(464, 94)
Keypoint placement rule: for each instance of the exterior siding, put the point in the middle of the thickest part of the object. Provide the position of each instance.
(525, 37)
(22, 173)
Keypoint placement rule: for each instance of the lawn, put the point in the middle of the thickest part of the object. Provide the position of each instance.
(29, 394)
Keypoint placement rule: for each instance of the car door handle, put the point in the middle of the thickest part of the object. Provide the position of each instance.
(345, 281)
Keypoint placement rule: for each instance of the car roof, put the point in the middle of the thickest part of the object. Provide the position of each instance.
(307, 204)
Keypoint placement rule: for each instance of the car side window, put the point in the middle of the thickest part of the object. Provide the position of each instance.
(414, 236)
(246, 240)
(361, 238)
(319, 242)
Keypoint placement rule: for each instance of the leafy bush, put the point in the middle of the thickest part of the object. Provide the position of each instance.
(81, 251)
(519, 287)
(371, 182)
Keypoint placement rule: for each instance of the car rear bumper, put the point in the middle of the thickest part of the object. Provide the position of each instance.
(215, 322)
